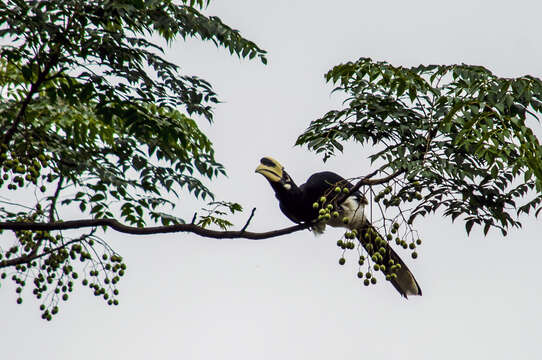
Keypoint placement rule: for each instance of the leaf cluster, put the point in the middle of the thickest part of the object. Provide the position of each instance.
(96, 120)
(86, 91)
(459, 131)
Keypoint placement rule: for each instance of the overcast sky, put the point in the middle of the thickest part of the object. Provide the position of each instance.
(186, 297)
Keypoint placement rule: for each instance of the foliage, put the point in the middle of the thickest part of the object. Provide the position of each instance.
(456, 137)
(212, 216)
(94, 116)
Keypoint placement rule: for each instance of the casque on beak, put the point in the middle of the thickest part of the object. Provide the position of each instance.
(271, 169)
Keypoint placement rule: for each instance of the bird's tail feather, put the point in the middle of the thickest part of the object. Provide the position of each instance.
(403, 280)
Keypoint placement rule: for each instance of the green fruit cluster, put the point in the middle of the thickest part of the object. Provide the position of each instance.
(375, 245)
(408, 193)
(54, 274)
(325, 211)
(325, 204)
(21, 166)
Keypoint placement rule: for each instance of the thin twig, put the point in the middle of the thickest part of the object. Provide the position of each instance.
(367, 181)
(54, 198)
(248, 221)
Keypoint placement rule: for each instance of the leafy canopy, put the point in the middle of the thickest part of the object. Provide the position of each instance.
(94, 116)
(459, 134)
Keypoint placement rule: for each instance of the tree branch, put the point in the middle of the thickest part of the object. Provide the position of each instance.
(54, 199)
(366, 180)
(116, 225)
(19, 117)
(248, 221)
(25, 259)
(34, 88)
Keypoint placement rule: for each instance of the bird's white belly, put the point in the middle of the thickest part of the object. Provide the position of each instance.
(352, 209)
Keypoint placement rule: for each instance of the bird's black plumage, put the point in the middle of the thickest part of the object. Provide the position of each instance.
(297, 204)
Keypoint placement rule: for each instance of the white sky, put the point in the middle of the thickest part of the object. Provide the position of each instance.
(186, 297)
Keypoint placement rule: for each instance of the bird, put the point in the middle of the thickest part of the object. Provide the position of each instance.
(302, 204)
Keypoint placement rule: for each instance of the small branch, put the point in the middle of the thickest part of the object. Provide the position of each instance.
(248, 221)
(366, 181)
(116, 225)
(34, 88)
(19, 117)
(25, 259)
(54, 199)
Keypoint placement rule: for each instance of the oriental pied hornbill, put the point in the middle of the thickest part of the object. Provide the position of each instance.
(297, 204)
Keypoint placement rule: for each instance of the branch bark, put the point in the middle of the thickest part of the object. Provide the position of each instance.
(116, 225)
(25, 259)
(366, 180)
(248, 221)
(34, 89)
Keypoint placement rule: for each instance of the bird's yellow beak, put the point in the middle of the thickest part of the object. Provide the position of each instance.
(270, 168)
